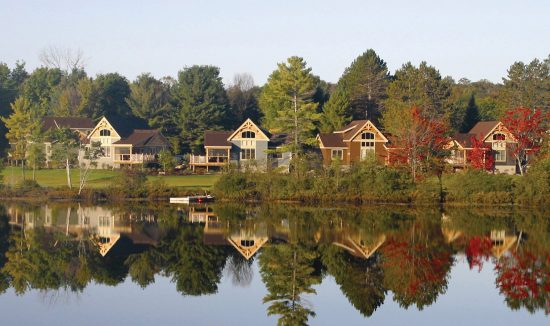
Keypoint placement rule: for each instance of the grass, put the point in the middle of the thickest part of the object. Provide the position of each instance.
(55, 178)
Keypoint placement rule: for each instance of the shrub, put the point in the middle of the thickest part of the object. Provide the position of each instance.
(534, 187)
(479, 187)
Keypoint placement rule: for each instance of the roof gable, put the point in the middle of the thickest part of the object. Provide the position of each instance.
(104, 124)
(364, 125)
(66, 122)
(249, 125)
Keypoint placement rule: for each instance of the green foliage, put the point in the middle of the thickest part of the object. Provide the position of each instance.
(471, 116)
(112, 91)
(528, 85)
(336, 112)
(479, 187)
(39, 89)
(167, 160)
(131, 184)
(420, 87)
(202, 104)
(243, 100)
(149, 100)
(287, 102)
(365, 82)
(534, 187)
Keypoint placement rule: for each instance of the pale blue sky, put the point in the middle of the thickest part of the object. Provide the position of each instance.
(466, 38)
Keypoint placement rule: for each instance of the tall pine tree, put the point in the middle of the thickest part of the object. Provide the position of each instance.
(471, 116)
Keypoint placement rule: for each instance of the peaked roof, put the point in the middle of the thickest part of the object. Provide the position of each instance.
(66, 122)
(332, 140)
(144, 137)
(125, 126)
(217, 138)
(249, 121)
(483, 128)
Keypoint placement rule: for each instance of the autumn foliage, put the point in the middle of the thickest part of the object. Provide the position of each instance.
(480, 157)
(478, 250)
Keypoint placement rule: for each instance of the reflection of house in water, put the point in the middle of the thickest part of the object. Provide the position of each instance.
(100, 224)
(247, 238)
(355, 242)
(501, 240)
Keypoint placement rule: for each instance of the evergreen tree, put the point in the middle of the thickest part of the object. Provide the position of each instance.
(528, 85)
(202, 104)
(287, 102)
(336, 112)
(21, 127)
(471, 116)
(150, 100)
(365, 81)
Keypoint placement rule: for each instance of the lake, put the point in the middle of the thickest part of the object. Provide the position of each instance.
(230, 264)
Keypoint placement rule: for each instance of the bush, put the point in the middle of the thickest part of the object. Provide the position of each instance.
(131, 184)
(479, 187)
(534, 187)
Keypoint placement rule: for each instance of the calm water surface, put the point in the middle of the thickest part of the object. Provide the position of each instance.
(240, 265)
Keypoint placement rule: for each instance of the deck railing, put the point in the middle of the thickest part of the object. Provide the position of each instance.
(134, 158)
(202, 159)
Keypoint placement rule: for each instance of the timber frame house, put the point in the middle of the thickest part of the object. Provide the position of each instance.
(495, 136)
(355, 142)
(246, 145)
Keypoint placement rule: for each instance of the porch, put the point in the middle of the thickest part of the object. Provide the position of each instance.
(215, 157)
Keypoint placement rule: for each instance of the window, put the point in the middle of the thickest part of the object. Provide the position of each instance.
(107, 151)
(337, 153)
(248, 134)
(277, 155)
(499, 136)
(105, 133)
(248, 154)
(367, 135)
(500, 156)
(247, 243)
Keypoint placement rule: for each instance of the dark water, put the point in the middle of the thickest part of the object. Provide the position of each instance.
(240, 265)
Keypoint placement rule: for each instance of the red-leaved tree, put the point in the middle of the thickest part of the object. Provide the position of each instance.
(480, 157)
(421, 143)
(478, 250)
(527, 127)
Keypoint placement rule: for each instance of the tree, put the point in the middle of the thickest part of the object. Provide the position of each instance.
(10, 83)
(365, 81)
(243, 99)
(287, 104)
(21, 126)
(471, 116)
(166, 159)
(420, 143)
(528, 85)
(288, 273)
(422, 87)
(528, 130)
(481, 157)
(149, 100)
(111, 90)
(336, 112)
(35, 157)
(202, 104)
(39, 90)
(65, 148)
(91, 154)
(63, 59)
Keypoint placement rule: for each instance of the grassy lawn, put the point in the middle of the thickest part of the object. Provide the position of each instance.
(102, 178)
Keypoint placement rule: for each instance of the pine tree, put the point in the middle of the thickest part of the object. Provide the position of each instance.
(471, 117)
(336, 112)
(287, 102)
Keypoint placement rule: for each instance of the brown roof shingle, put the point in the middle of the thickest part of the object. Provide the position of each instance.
(217, 138)
(332, 140)
(145, 137)
(66, 122)
(483, 128)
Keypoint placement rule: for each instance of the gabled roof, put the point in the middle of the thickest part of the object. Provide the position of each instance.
(66, 122)
(464, 140)
(217, 139)
(125, 126)
(331, 140)
(246, 123)
(144, 137)
(484, 128)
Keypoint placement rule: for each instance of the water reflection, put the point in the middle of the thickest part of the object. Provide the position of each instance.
(369, 252)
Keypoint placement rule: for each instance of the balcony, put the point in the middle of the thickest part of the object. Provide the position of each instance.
(202, 160)
(134, 158)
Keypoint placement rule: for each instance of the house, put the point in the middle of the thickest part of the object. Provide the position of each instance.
(495, 136)
(355, 142)
(126, 141)
(81, 126)
(248, 144)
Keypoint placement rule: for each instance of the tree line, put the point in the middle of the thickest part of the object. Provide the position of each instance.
(293, 100)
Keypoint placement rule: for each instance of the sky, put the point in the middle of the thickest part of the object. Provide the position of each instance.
(469, 38)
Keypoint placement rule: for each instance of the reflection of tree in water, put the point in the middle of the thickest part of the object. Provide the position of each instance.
(4, 245)
(239, 269)
(524, 279)
(416, 264)
(361, 280)
(288, 272)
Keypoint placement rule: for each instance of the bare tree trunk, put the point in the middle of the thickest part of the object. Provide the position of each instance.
(295, 123)
(68, 168)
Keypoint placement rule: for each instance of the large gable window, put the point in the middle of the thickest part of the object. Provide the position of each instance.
(499, 137)
(105, 133)
(248, 134)
(367, 136)
(367, 144)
